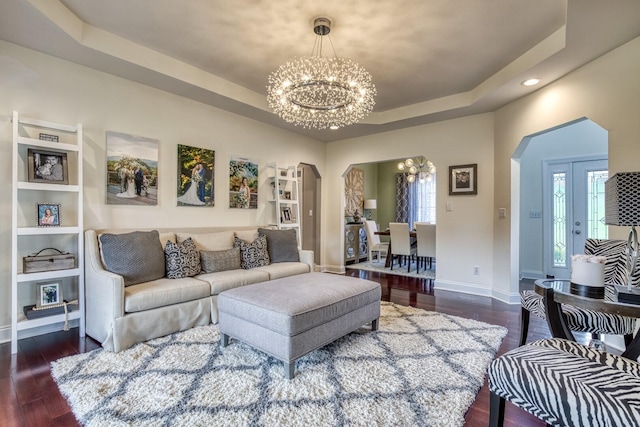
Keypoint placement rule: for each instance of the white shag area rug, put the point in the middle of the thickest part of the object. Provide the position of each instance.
(397, 271)
(420, 368)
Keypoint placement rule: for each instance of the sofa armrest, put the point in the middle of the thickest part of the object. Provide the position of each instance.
(104, 291)
(306, 256)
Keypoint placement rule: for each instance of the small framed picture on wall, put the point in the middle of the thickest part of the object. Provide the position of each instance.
(463, 179)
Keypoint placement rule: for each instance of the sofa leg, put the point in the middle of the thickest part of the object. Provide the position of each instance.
(496, 410)
(524, 325)
(225, 340)
(375, 324)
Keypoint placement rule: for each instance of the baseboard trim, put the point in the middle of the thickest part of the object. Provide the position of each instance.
(530, 274)
(471, 289)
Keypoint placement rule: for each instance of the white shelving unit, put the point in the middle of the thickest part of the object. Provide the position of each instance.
(27, 238)
(285, 197)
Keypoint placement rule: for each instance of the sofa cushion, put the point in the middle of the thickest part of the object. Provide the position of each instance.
(284, 269)
(282, 245)
(247, 235)
(182, 259)
(213, 261)
(137, 256)
(253, 254)
(166, 237)
(230, 279)
(163, 292)
(209, 241)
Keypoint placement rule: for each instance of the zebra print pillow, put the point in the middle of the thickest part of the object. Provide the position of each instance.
(615, 268)
(182, 259)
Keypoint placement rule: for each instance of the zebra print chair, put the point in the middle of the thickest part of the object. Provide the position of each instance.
(581, 320)
(565, 383)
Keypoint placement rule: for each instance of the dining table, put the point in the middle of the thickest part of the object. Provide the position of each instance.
(387, 232)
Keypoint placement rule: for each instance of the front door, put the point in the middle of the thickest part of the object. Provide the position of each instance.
(573, 211)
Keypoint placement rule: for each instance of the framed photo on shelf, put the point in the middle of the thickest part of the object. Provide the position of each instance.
(286, 215)
(463, 179)
(287, 195)
(48, 214)
(47, 166)
(48, 294)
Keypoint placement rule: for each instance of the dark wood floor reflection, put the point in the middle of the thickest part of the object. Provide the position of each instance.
(29, 396)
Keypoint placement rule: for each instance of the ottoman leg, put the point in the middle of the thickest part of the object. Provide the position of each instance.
(289, 369)
(375, 324)
(225, 340)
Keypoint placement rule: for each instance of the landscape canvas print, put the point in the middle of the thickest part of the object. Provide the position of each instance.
(195, 176)
(132, 169)
(243, 183)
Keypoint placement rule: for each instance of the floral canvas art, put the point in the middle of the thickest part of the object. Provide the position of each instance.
(132, 169)
(195, 176)
(243, 183)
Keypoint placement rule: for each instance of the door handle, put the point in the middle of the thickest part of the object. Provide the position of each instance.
(577, 231)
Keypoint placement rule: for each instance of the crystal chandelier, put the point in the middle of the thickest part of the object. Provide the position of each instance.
(419, 168)
(320, 92)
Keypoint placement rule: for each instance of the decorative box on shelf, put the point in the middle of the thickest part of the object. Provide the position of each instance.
(37, 263)
(33, 312)
(628, 296)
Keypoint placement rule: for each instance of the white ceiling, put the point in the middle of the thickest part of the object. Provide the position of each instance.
(430, 59)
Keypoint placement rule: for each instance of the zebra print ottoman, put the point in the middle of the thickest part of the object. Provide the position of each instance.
(566, 384)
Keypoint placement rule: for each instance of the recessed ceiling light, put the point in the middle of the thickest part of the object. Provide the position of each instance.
(530, 82)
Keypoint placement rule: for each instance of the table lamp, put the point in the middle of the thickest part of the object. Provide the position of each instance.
(370, 204)
(622, 207)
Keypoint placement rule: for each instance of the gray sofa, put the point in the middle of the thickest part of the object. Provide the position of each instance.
(120, 314)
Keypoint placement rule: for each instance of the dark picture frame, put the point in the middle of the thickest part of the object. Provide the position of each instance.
(48, 294)
(463, 180)
(286, 215)
(47, 166)
(48, 214)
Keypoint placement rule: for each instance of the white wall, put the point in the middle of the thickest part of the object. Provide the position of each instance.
(465, 233)
(607, 91)
(584, 138)
(44, 87)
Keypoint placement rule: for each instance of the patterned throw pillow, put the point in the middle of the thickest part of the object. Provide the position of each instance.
(253, 254)
(182, 259)
(212, 261)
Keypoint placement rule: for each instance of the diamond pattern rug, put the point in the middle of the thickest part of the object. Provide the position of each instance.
(378, 266)
(420, 368)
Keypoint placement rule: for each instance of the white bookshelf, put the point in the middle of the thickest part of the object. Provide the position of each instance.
(285, 197)
(27, 238)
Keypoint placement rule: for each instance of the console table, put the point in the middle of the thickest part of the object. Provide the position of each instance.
(557, 292)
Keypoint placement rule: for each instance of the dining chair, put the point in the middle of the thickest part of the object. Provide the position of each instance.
(375, 245)
(426, 248)
(401, 243)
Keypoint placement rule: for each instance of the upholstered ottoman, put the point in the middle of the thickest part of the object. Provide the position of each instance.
(290, 317)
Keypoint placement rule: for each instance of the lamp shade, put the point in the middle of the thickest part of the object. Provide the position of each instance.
(622, 199)
(371, 204)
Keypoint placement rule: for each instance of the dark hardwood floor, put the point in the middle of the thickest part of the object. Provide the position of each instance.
(30, 397)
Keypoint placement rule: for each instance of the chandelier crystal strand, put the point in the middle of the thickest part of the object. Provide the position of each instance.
(319, 92)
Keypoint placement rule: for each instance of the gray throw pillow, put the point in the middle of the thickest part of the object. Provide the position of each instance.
(137, 257)
(281, 244)
(213, 261)
(183, 259)
(253, 254)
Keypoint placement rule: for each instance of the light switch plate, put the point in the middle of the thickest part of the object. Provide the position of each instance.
(449, 206)
(502, 212)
